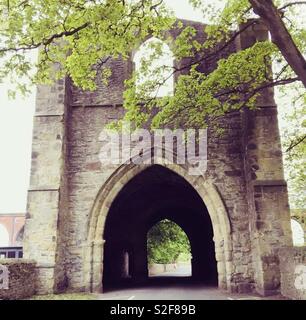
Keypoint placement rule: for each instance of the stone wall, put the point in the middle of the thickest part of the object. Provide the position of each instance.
(293, 272)
(243, 187)
(47, 191)
(21, 279)
(268, 207)
(89, 113)
(158, 268)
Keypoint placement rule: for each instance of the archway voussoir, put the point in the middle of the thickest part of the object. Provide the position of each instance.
(124, 174)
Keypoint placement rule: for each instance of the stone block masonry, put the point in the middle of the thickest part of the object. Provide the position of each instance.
(21, 279)
(293, 272)
(79, 209)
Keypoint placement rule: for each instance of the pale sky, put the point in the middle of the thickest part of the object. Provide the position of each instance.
(16, 118)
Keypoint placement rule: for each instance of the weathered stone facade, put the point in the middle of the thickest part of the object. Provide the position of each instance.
(21, 279)
(72, 193)
(292, 268)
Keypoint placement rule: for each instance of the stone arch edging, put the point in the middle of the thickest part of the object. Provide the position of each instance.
(93, 248)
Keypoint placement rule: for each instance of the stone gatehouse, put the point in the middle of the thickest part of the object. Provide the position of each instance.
(83, 216)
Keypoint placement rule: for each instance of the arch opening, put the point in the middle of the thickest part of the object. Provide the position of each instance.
(154, 63)
(4, 236)
(153, 195)
(169, 250)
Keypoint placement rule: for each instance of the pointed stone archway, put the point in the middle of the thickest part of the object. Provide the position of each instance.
(94, 248)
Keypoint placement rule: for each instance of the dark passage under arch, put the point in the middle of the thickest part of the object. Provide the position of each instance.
(155, 194)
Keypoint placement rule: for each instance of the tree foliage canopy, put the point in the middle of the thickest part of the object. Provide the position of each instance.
(77, 37)
(166, 242)
(294, 147)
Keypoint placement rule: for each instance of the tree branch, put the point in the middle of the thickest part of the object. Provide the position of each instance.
(290, 4)
(208, 56)
(295, 143)
(281, 36)
(48, 41)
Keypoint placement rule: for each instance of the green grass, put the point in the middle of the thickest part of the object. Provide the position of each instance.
(65, 296)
